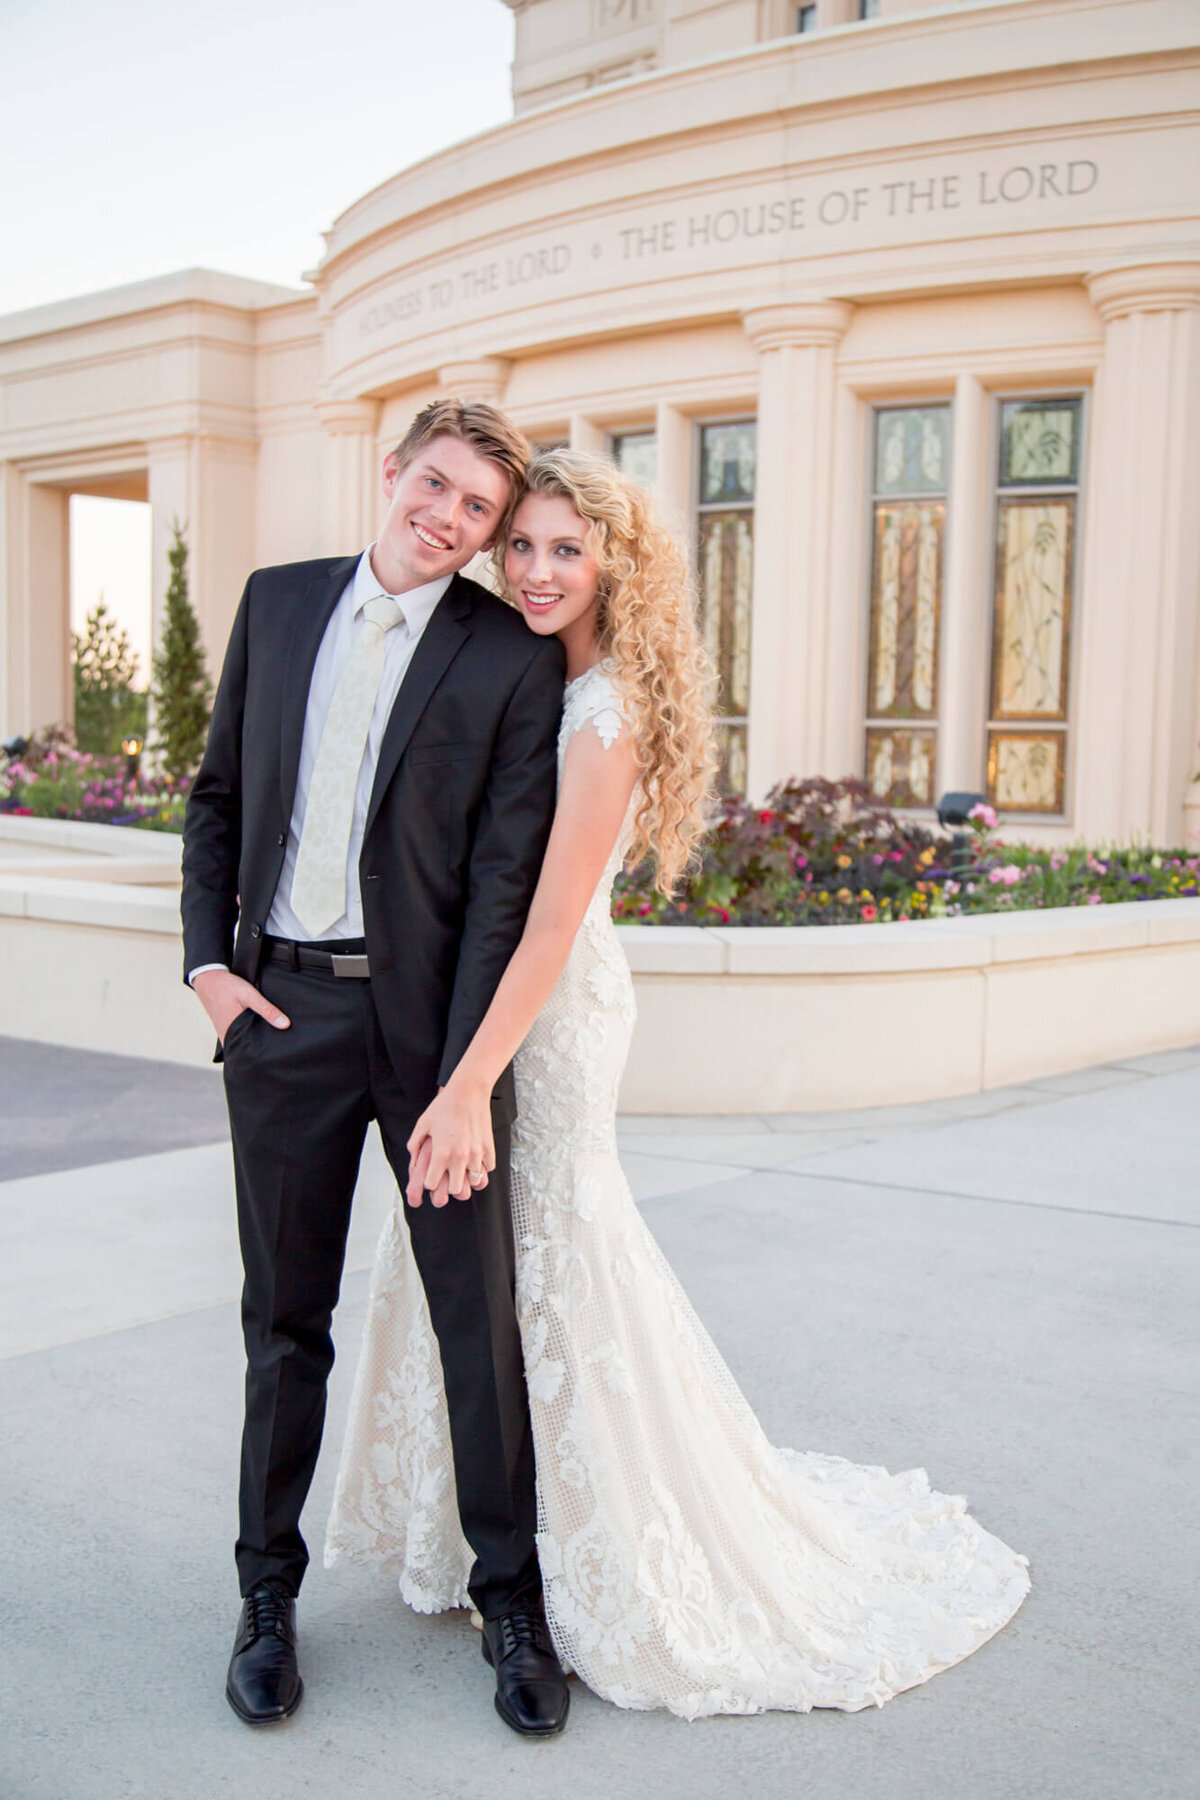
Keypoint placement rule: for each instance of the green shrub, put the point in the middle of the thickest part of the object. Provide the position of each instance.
(180, 689)
(108, 707)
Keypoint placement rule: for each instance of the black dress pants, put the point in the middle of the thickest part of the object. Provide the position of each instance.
(300, 1102)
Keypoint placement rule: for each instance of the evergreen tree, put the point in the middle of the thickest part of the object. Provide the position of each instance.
(180, 692)
(107, 706)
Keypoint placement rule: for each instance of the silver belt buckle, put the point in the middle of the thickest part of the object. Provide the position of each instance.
(351, 968)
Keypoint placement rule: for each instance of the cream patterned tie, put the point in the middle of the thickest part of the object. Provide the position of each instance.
(319, 883)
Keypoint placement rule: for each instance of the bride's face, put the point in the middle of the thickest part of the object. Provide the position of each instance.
(550, 574)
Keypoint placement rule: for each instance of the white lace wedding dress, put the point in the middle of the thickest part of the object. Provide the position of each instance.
(688, 1563)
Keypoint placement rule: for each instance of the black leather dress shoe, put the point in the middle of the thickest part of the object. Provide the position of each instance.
(264, 1682)
(531, 1689)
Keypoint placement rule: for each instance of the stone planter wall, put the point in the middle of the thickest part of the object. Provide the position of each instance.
(730, 1021)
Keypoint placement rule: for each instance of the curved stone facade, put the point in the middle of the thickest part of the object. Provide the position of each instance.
(974, 230)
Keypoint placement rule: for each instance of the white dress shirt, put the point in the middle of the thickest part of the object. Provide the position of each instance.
(417, 606)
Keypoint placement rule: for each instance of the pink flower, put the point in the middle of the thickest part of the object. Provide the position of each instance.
(1009, 874)
(1093, 900)
(801, 860)
(984, 814)
(870, 913)
(995, 875)
(878, 861)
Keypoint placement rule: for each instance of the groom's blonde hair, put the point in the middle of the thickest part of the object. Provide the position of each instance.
(484, 428)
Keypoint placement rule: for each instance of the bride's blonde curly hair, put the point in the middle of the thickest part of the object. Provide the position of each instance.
(647, 627)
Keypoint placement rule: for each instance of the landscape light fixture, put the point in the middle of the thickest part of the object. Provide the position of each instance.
(14, 748)
(132, 748)
(955, 809)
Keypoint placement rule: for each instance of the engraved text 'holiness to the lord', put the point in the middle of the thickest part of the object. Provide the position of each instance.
(702, 228)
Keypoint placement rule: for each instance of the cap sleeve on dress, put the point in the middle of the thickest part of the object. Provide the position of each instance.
(595, 700)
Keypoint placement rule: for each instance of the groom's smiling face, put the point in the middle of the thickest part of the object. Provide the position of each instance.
(443, 507)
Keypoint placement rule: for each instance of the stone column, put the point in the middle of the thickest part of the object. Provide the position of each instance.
(962, 675)
(793, 592)
(1138, 714)
(35, 605)
(586, 436)
(353, 466)
(674, 483)
(206, 482)
(484, 379)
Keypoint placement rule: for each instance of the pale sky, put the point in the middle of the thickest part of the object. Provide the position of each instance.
(141, 136)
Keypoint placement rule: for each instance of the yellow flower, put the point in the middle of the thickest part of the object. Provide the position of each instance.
(822, 898)
(866, 894)
(843, 862)
(844, 895)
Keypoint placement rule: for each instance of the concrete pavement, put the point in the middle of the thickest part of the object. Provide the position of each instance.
(1002, 1289)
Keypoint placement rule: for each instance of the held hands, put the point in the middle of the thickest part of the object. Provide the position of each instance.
(451, 1149)
(223, 995)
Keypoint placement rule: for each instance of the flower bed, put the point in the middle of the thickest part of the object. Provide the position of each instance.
(819, 853)
(830, 853)
(54, 780)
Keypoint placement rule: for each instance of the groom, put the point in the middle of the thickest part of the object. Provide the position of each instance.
(362, 844)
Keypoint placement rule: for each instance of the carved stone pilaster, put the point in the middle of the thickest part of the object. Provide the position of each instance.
(352, 478)
(789, 689)
(1139, 713)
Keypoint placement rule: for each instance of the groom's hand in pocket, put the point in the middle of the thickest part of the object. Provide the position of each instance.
(223, 995)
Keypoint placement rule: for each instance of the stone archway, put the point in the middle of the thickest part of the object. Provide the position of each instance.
(35, 609)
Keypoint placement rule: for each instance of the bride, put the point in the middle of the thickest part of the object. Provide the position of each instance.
(688, 1563)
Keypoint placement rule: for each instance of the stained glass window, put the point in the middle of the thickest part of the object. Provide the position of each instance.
(727, 458)
(900, 765)
(912, 449)
(1039, 442)
(636, 455)
(726, 566)
(911, 468)
(1031, 628)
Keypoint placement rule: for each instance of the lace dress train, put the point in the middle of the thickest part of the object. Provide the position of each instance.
(688, 1563)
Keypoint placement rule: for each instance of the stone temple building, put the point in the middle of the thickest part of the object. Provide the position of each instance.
(896, 307)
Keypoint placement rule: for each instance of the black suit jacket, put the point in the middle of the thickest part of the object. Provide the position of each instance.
(459, 816)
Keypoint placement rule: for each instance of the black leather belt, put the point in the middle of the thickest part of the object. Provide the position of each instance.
(347, 958)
